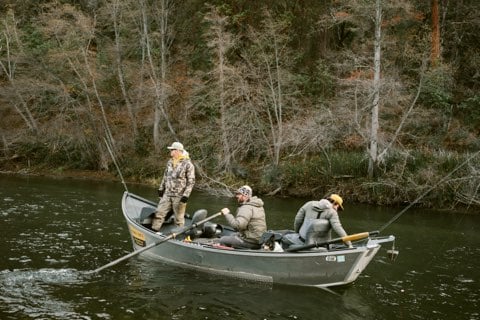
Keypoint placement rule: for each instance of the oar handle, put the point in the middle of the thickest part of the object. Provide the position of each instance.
(156, 243)
(358, 236)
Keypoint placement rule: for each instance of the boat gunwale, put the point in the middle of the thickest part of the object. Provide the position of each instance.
(246, 252)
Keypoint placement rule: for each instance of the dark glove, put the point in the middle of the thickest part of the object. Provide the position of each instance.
(184, 199)
(160, 193)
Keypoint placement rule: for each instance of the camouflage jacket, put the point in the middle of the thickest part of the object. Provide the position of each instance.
(178, 178)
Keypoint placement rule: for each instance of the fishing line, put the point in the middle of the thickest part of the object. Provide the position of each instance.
(427, 192)
(116, 165)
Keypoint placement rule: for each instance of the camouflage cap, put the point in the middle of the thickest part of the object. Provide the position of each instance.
(244, 190)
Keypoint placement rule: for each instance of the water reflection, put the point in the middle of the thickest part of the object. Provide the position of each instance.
(155, 291)
(53, 231)
(32, 292)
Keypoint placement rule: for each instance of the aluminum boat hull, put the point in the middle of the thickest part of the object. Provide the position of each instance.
(318, 268)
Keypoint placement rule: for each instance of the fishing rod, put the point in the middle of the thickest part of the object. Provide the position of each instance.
(116, 164)
(427, 192)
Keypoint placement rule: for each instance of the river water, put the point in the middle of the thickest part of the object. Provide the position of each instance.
(53, 230)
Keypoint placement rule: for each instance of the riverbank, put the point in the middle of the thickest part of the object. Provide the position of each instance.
(423, 187)
(73, 174)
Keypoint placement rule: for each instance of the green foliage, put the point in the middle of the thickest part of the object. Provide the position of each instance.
(306, 175)
(33, 39)
(33, 151)
(406, 176)
(143, 142)
(273, 175)
(47, 103)
(471, 110)
(438, 88)
(74, 156)
(344, 163)
(140, 168)
(70, 154)
(447, 162)
(318, 83)
(110, 83)
(417, 161)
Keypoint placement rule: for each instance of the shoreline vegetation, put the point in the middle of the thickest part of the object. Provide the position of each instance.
(375, 100)
(312, 178)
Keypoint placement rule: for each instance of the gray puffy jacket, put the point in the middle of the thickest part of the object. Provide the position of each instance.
(318, 210)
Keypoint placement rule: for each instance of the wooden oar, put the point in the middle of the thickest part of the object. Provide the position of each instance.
(352, 237)
(171, 236)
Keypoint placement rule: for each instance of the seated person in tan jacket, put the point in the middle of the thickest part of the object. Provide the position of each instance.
(249, 221)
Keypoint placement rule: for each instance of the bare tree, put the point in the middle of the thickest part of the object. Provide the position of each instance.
(383, 153)
(373, 151)
(10, 35)
(116, 12)
(102, 130)
(74, 39)
(220, 41)
(158, 75)
(435, 51)
(269, 58)
(374, 88)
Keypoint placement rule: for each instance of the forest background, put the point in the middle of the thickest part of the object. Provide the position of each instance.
(377, 100)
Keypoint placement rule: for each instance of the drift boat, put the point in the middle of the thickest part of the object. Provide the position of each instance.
(195, 246)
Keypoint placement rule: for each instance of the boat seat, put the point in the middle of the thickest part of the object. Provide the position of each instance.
(290, 239)
(199, 215)
(146, 216)
(317, 231)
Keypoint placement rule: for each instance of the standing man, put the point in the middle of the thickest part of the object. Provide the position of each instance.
(249, 221)
(177, 184)
(316, 219)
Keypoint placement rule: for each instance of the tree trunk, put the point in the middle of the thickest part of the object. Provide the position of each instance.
(221, 41)
(376, 92)
(278, 108)
(158, 82)
(223, 107)
(272, 59)
(120, 73)
(435, 53)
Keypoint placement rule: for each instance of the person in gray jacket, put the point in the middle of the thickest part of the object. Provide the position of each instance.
(249, 222)
(316, 219)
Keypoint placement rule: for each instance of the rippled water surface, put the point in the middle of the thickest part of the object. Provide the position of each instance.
(55, 230)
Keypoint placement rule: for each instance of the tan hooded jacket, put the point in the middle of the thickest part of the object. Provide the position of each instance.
(250, 220)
